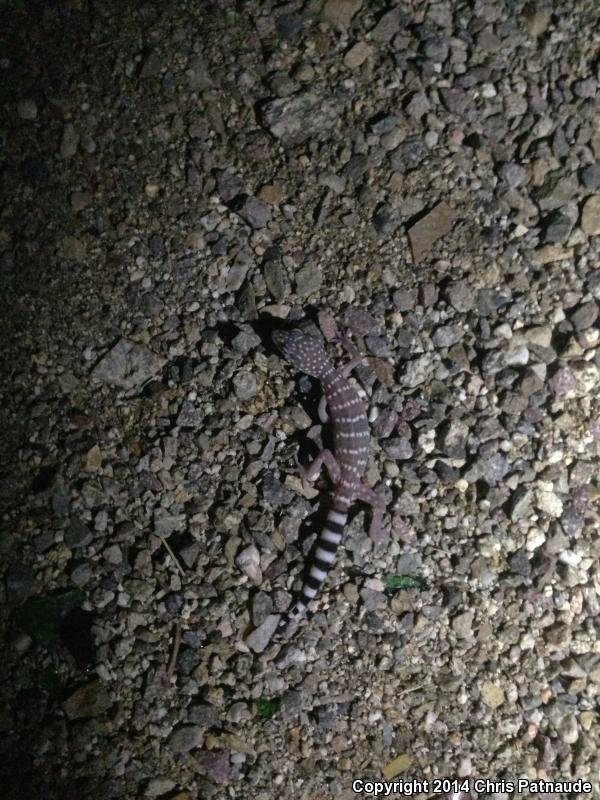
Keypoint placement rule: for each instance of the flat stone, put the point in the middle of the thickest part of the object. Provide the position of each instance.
(255, 212)
(308, 280)
(584, 316)
(303, 116)
(261, 636)
(186, 738)
(90, 700)
(357, 55)
(492, 694)
(215, 764)
(339, 13)
(590, 216)
(552, 252)
(550, 503)
(245, 385)
(249, 562)
(159, 786)
(387, 26)
(424, 233)
(128, 365)
(537, 19)
(590, 177)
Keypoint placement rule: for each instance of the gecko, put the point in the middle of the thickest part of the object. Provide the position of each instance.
(346, 465)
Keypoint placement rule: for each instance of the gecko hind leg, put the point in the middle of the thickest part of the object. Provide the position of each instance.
(310, 472)
(377, 503)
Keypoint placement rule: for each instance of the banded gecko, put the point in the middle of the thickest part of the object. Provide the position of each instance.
(346, 467)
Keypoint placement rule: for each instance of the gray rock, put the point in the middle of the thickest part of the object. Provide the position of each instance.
(165, 524)
(514, 175)
(215, 764)
(456, 100)
(495, 468)
(590, 216)
(557, 192)
(262, 607)
(521, 503)
(488, 301)
(590, 177)
(563, 382)
(385, 423)
(584, 316)
(204, 715)
(339, 13)
(360, 322)
(274, 278)
(275, 492)
(158, 786)
(558, 228)
(255, 212)
(81, 575)
(586, 88)
(186, 738)
(229, 185)
(453, 439)
(336, 183)
(128, 366)
(308, 280)
(446, 335)
(461, 296)
(426, 231)
(436, 49)
(387, 26)
(571, 522)
(245, 385)
(418, 105)
(417, 371)
(77, 534)
(261, 636)
(300, 117)
(398, 449)
(463, 625)
(520, 563)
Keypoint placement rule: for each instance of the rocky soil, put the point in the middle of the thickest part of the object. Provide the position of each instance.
(177, 180)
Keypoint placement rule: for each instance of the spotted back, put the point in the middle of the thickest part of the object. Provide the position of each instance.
(303, 352)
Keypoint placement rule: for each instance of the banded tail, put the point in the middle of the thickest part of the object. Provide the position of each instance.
(323, 560)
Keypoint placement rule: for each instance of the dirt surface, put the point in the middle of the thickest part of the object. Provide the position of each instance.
(178, 180)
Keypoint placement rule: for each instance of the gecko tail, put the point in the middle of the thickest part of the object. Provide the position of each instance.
(322, 561)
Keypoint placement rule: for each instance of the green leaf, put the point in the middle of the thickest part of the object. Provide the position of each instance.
(41, 617)
(267, 708)
(392, 582)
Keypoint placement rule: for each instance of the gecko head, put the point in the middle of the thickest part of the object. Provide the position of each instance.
(302, 351)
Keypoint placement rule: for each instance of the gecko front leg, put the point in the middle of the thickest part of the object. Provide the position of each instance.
(322, 410)
(353, 351)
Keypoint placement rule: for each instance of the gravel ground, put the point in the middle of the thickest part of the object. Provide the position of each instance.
(179, 177)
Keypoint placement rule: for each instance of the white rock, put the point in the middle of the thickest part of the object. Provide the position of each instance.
(550, 503)
(249, 562)
(535, 538)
